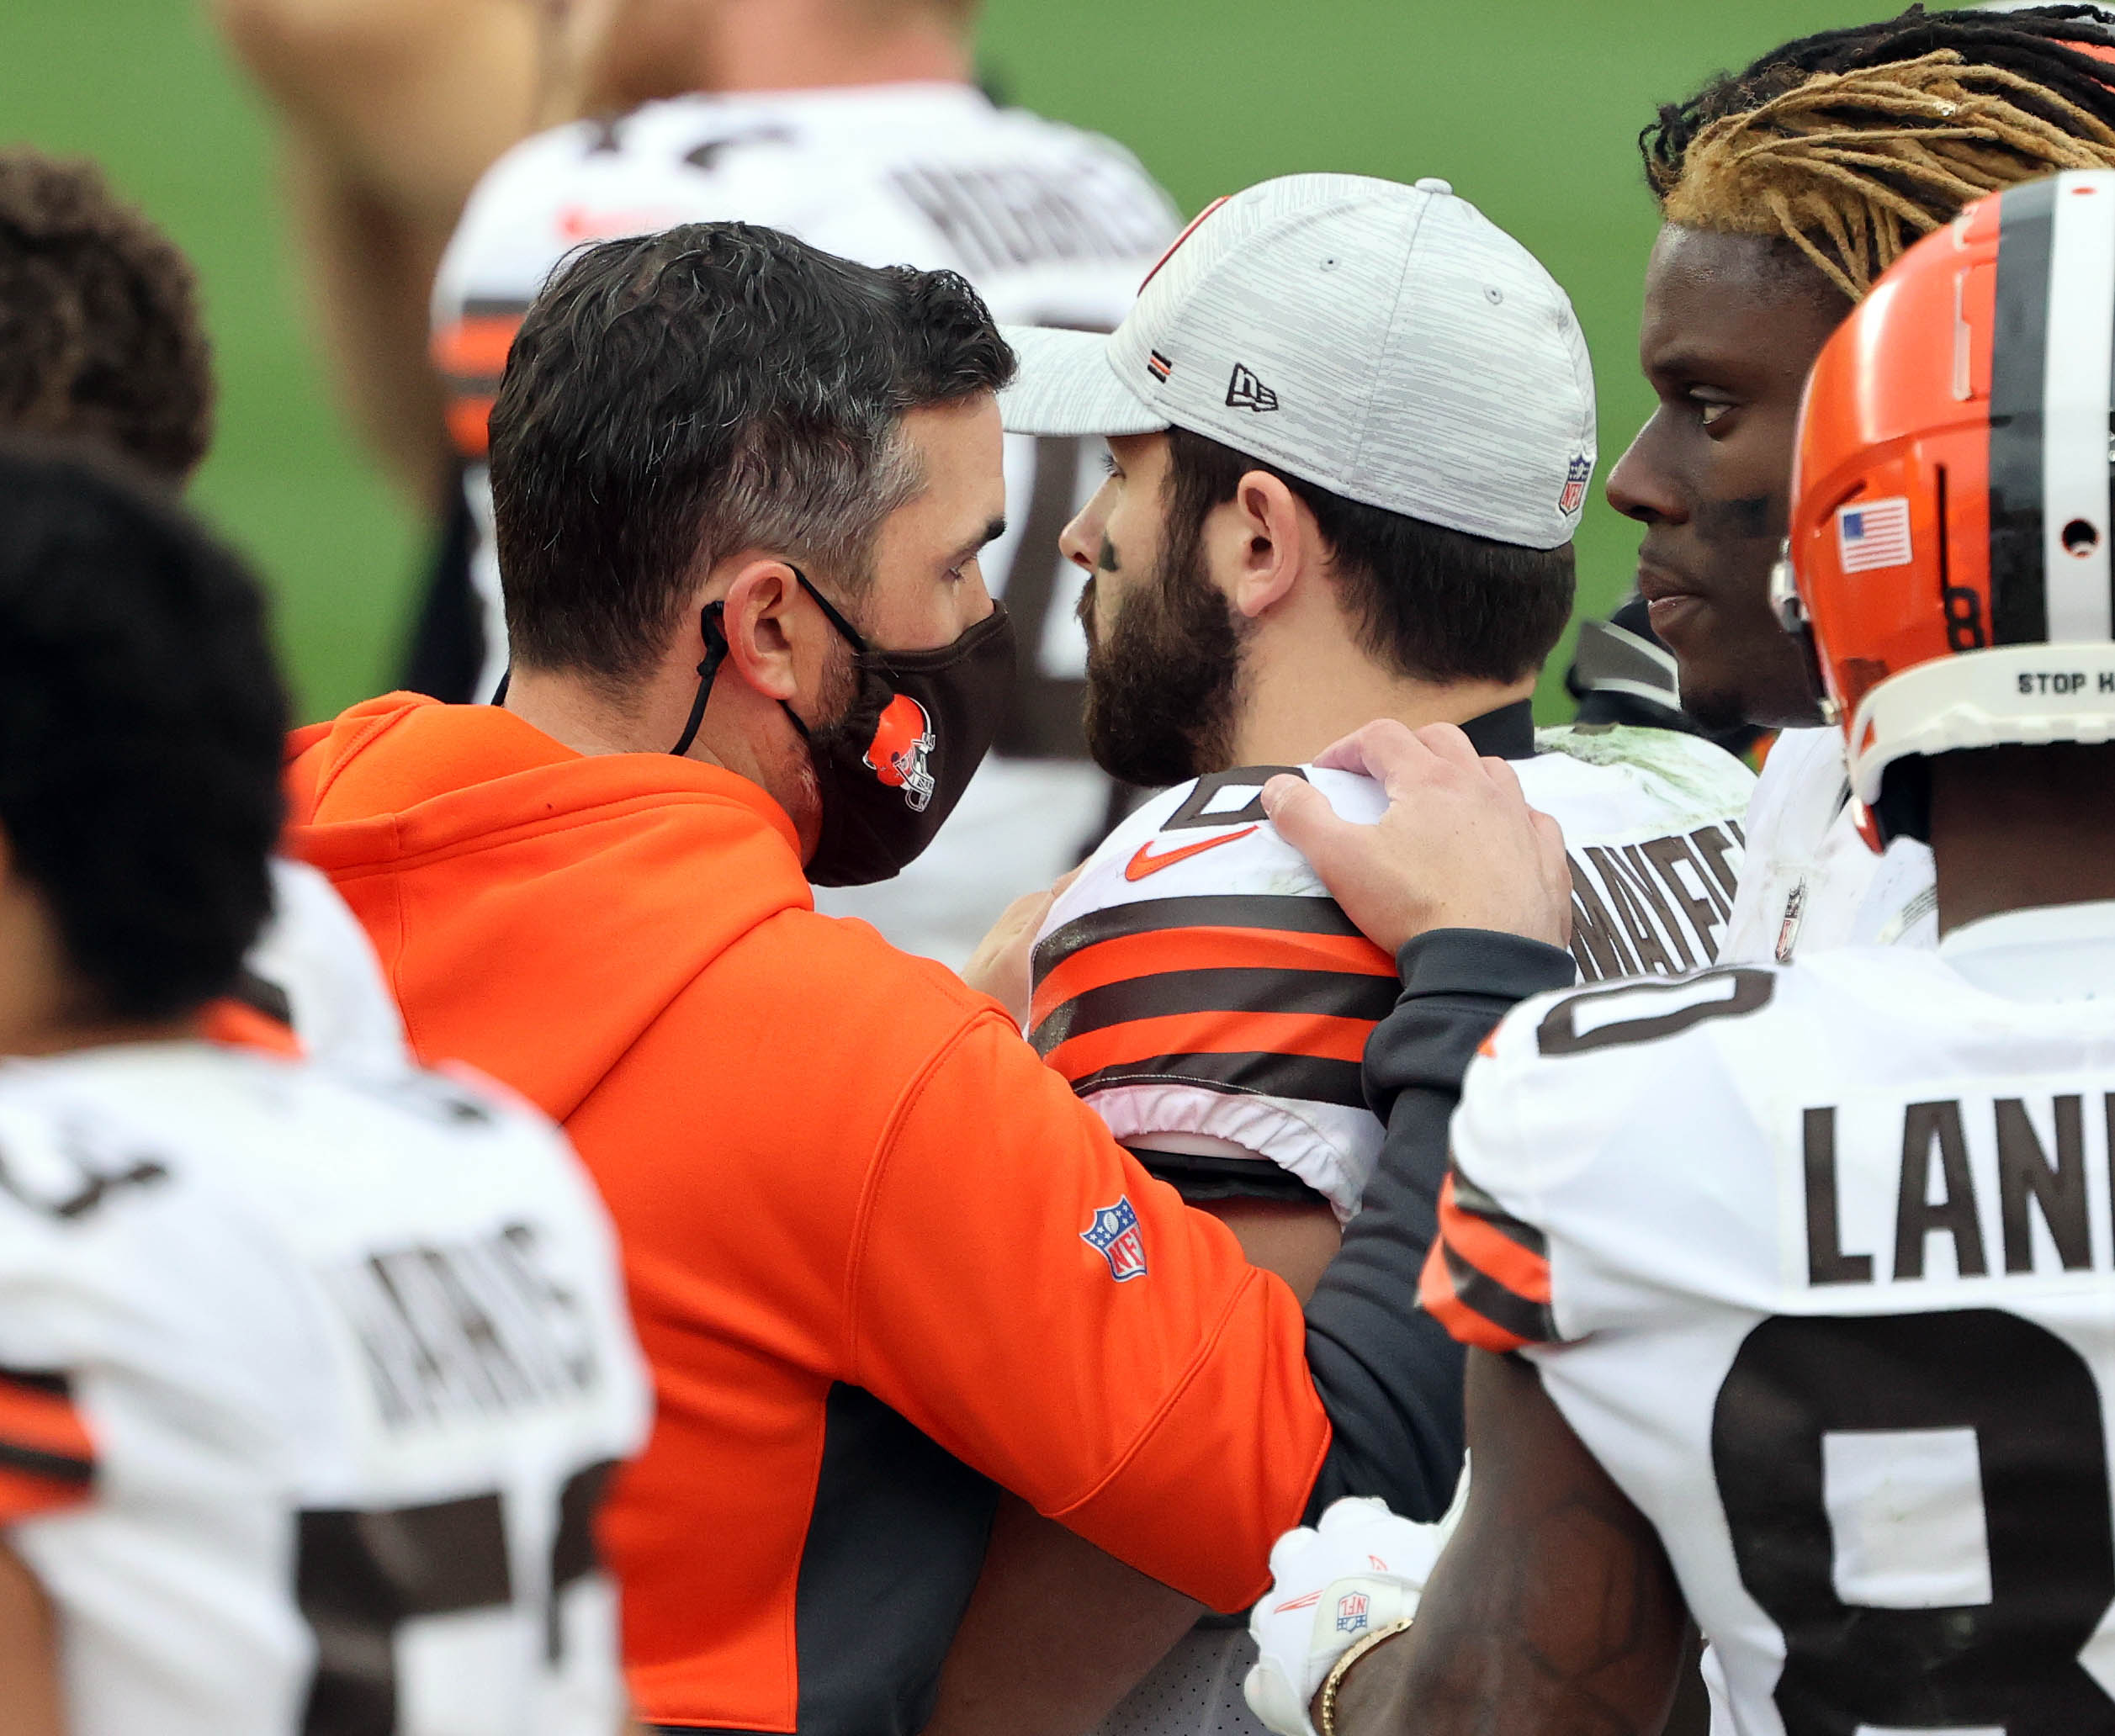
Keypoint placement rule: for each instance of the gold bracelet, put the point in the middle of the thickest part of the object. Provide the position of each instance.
(1335, 1681)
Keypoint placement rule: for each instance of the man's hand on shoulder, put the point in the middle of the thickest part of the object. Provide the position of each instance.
(1458, 848)
(1000, 966)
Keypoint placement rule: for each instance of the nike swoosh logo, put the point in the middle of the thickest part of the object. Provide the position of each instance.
(1145, 862)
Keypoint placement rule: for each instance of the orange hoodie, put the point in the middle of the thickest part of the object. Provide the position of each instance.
(878, 1253)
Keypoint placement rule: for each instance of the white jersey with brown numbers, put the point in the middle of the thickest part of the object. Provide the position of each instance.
(1200, 988)
(309, 1384)
(1812, 881)
(1053, 226)
(1816, 1260)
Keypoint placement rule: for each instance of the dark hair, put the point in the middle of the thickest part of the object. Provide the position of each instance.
(675, 398)
(100, 338)
(2031, 43)
(141, 724)
(1433, 603)
(1848, 145)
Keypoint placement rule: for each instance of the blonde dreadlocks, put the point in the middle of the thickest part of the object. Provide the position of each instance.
(1851, 145)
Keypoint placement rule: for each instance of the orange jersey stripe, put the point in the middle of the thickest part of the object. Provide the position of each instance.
(476, 346)
(42, 1422)
(1126, 957)
(1436, 1296)
(23, 1496)
(1316, 1035)
(470, 426)
(47, 1458)
(1497, 1257)
(239, 1025)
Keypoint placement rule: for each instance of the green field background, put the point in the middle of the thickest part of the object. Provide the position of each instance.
(1529, 107)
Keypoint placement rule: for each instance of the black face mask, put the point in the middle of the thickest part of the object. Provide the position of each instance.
(892, 767)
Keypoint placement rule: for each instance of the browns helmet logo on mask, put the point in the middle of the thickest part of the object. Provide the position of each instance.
(902, 745)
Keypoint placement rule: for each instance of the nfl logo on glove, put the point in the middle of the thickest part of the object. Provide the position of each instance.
(1114, 1234)
(1353, 1610)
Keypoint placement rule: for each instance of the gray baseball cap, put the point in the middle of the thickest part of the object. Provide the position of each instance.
(1388, 343)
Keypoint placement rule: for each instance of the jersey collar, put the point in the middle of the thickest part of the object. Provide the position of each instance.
(1506, 733)
(2057, 952)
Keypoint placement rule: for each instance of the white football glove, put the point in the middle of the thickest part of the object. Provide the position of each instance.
(1361, 1570)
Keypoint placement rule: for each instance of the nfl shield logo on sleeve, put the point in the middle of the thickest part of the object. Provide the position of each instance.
(1353, 1609)
(1114, 1234)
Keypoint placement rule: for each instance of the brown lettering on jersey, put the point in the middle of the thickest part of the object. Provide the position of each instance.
(1692, 888)
(1018, 215)
(1653, 908)
(1597, 942)
(2023, 1170)
(1651, 952)
(1641, 876)
(472, 1329)
(1926, 1126)
(1826, 1263)
(1716, 844)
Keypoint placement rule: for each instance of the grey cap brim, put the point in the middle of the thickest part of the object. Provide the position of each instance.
(1067, 386)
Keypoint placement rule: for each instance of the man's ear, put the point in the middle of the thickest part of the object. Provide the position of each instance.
(1262, 541)
(767, 632)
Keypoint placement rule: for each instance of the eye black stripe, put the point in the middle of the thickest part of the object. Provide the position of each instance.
(2019, 348)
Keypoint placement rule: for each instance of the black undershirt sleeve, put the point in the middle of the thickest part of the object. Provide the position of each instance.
(1202, 1180)
(1389, 1374)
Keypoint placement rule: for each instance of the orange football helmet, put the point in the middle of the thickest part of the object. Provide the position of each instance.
(1949, 556)
(901, 751)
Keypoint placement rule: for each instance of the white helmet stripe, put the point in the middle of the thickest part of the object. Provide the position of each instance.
(2076, 507)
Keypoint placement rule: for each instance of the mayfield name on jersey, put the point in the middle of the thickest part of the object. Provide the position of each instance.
(309, 1388)
(1815, 1260)
(1200, 988)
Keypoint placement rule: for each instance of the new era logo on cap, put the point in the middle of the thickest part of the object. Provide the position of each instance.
(1871, 534)
(1244, 391)
(1387, 343)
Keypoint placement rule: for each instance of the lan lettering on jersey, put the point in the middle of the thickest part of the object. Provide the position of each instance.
(1956, 1189)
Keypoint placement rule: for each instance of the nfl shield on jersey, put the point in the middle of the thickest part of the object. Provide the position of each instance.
(1200, 988)
(1811, 882)
(1815, 1260)
(308, 1388)
(1054, 226)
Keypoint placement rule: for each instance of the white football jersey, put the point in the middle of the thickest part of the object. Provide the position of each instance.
(1815, 1260)
(1200, 988)
(309, 1386)
(314, 968)
(1811, 883)
(1054, 226)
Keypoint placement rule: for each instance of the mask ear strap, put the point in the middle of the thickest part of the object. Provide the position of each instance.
(711, 624)
(829, 610)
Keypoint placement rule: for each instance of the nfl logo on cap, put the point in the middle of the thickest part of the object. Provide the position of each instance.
(1575, 485)
(1353, 1609)
(1114, 1234)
